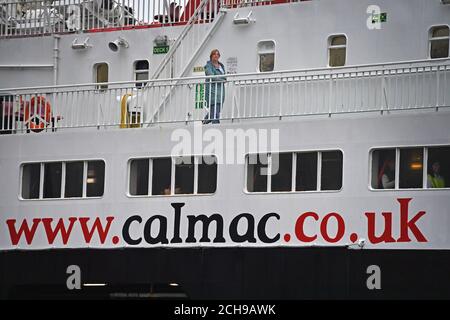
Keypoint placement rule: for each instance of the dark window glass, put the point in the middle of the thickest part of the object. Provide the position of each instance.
(207, 175)
(331, 178)
(162, 173)
(184, 175)
(411, 168)
(95, 179)
(52, 180)
(383, 169)
(257, 173)
(142, 65)
(31, 174)
(438, 174)
(439, 42)
(306, 178)
(74, 179)
(281, 172)
(139, 175)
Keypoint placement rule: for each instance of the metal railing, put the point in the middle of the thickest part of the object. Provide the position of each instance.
(33, 18)
(374, 88)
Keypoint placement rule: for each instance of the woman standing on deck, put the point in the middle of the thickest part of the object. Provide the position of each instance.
(215, 87)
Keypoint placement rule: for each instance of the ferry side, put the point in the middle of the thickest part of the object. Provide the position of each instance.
(116, 203)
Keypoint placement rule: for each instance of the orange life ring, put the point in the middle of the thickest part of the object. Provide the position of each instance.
(38, 114)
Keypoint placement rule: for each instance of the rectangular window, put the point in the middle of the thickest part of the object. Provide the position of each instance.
(95, 178)
(331, 177)
(411, 168)
(439, 42)
(306, 178)
(74, 179)
(337, 51)
(414, 167)
(301, 168)
(257, 170)
(101, 72)
(80, 179)
(266, 54)
(207, 175)
(52, 180)
(383, 169)
(281, 171)
(141, 72)
(139, 176)
(31, 175)
(162, 176)
(438, 173)
(191, 175)
(184, 175)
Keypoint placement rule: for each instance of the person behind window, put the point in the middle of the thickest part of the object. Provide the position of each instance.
(215, 87)
(434, 178)
(386, 178)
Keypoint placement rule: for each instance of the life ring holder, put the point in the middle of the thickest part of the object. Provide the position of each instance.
(38, 113)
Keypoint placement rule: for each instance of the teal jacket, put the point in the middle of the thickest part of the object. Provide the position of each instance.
(214, 88)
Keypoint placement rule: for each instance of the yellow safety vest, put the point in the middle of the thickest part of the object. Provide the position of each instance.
(437, 182)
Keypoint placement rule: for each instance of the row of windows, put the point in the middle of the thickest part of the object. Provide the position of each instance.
(391, 168)
(337, 52)
(411, 168)
(439, 39)
(60, 180)
(294, 171)
(173, 175)
(141, 69)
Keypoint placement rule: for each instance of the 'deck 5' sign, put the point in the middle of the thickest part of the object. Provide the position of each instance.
(160, 49)
(183, 229)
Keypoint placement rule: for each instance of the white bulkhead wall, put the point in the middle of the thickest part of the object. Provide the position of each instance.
(300, 31)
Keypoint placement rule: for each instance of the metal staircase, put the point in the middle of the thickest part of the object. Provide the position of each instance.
(178, 61)
(186, 47)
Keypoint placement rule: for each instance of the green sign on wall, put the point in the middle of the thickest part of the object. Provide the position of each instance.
(160, 49)
(382, 17)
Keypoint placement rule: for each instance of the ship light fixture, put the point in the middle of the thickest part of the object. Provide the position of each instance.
(161, 41)
(81, 45)
(116, 44)
(243, 20)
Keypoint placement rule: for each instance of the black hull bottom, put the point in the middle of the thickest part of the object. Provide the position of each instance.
(232, 273)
